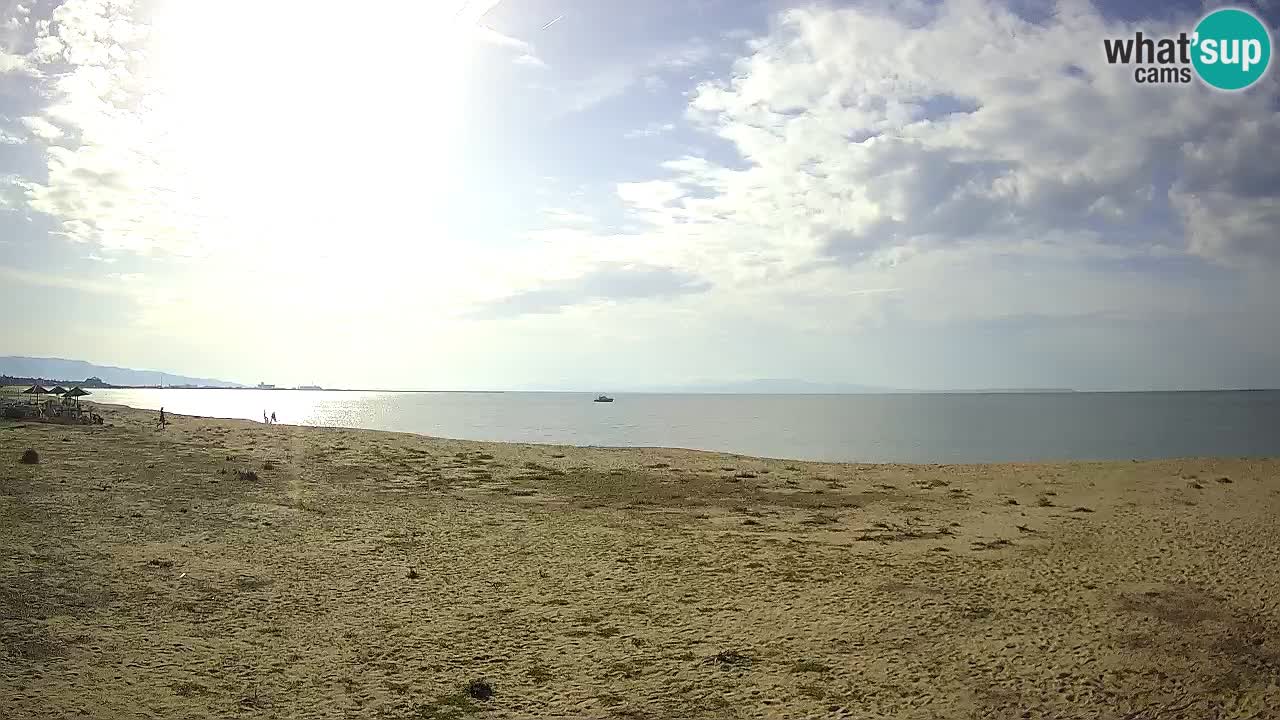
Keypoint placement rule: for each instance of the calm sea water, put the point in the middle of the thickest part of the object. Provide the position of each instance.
(856, 428)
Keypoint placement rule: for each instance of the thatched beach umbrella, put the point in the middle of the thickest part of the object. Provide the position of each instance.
(58, 391)
(37, 391)
(77, 393)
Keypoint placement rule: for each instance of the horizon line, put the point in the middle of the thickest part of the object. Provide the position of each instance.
(691, 391)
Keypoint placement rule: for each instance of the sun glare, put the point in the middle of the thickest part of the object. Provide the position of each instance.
(309, 132)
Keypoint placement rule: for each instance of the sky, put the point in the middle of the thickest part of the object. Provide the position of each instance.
(606, 194)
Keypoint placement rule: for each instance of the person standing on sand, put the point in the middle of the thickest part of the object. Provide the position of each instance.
(264, 416)
(273, 417)
(162, 418)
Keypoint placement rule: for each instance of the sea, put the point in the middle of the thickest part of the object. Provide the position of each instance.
(909, 428)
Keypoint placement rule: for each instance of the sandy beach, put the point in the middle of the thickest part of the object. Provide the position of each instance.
(222, 568)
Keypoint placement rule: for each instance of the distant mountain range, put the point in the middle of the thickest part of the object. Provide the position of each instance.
(59, 370)
(773, 386)
(803, 387)
(74, 371)
(981, 391)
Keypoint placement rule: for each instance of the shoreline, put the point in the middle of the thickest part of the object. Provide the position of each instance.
(904, 463)
(223, 567)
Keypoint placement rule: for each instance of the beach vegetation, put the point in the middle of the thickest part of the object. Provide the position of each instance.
(480, 689)
(729, 659)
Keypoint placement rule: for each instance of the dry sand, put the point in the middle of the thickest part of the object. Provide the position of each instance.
(142, 576)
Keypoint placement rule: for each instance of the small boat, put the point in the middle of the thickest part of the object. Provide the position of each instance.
(604, 398)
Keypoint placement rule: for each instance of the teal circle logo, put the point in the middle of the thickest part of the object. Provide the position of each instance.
(1232, 49)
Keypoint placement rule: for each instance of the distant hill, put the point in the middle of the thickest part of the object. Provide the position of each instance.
(994, 391)
(77, 371)
(771, 386)
(805, 387)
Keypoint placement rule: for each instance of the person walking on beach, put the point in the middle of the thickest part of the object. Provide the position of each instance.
(162, 419)
(273, 417)
(264, 416)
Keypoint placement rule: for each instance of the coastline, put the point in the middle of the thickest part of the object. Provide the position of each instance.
(147, 573)
(877, 429)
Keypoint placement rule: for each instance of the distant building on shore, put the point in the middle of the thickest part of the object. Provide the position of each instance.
(309, 387)
(265, 386)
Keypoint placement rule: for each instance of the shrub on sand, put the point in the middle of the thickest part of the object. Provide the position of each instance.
(248, 475)
(480, 689)
(30, 457)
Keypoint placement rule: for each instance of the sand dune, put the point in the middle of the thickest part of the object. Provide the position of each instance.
(148, 573)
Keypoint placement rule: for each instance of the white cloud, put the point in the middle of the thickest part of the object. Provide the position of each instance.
(42, 128)
(567, 217)
(653, 195)
(870, 152)
(690, 55)
(164, 139)
(111, 286)
(864, 128)
(10, 62)
(602, 283)
(469, 11)
(651, 130)
(652, 72)
(493, 37)
(526, 53)
(530, 61)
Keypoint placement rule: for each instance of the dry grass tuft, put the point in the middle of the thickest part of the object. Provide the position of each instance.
(480, 689)
(729, 658)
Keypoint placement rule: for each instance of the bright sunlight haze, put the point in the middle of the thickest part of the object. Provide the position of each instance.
(610, 195)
